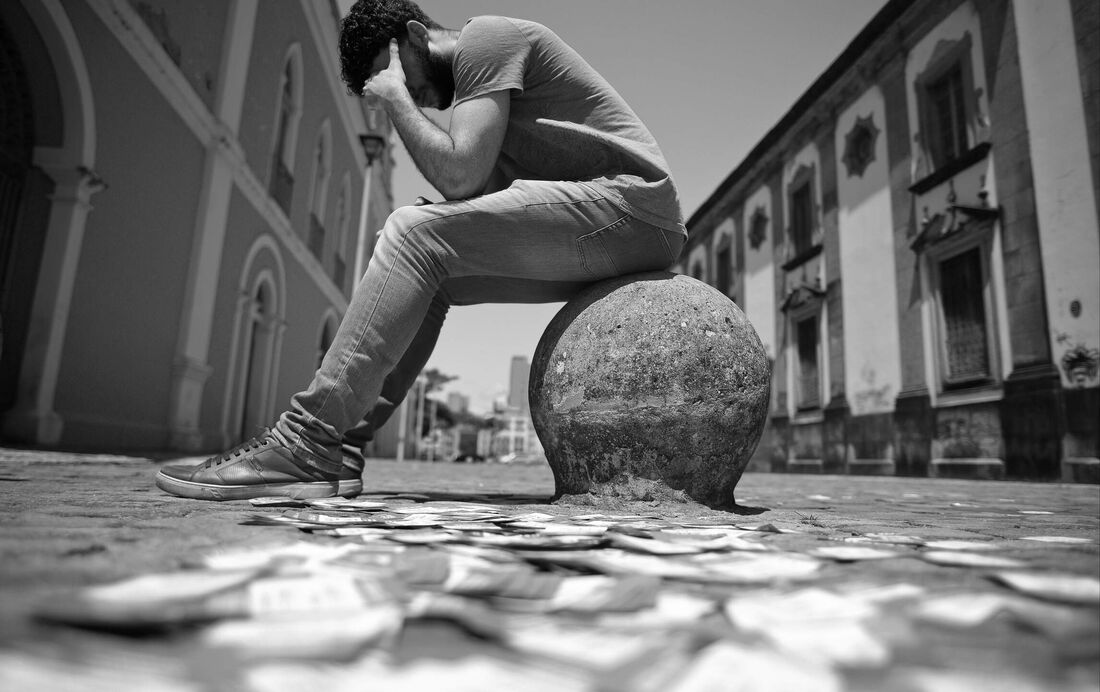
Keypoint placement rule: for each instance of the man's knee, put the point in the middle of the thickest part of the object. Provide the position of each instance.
(403, 222)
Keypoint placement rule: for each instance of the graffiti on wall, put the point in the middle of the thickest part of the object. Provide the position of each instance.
(1079, 362)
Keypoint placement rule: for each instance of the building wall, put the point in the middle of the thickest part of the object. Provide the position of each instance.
(873, 377)
(191, 32)
(119, 328)
(908, 382)
(181, 305)
(1064, 187)
(759, 273)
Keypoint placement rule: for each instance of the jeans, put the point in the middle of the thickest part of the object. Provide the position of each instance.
(534, 242)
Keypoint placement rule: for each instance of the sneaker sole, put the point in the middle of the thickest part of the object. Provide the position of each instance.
(298, 491)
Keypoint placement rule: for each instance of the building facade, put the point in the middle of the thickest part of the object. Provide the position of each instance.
(182, 215)
(916, 241)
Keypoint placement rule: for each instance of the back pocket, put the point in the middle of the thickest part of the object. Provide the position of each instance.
(623, 247)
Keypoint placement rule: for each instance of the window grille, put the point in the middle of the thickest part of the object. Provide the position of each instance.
(809, 395)
(802, 209)
(966, 342)
(947, 117)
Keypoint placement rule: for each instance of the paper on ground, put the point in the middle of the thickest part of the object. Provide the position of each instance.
(845, 553)
(1068, 588)
(757, 568)
(327, 636)
(952, 558)
(731, 667)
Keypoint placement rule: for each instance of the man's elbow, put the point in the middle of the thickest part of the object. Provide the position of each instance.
(461, 185)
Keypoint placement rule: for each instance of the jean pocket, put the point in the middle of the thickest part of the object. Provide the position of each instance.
(624, 247)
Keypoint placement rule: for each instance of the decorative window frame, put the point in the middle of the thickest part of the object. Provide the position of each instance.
(322, 172)
(804, 177)
(724, 243)
(803, 303)
(980, 233)
(856, 161)
(955, 40)
(292, 65)
(947, 56)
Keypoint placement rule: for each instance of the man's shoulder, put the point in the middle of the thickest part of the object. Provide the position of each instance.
(493, 24)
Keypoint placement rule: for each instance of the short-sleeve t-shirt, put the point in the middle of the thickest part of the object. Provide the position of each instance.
(565, 121)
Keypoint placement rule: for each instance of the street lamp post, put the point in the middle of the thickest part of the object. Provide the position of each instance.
(373, 145)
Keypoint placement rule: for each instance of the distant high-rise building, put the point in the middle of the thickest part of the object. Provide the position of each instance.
(517, 383)
(458, 403)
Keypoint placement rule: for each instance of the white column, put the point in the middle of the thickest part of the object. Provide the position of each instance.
(33, 419)
(1065, 201)
(192, 352)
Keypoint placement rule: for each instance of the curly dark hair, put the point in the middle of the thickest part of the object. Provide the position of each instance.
(367, 29)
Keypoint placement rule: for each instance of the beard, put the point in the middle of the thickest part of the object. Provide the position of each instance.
(439, 74)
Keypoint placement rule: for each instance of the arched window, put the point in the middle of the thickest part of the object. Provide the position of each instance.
(288, 113)
(260, 328)
(342, 227)
(328, 333)
(318, 188)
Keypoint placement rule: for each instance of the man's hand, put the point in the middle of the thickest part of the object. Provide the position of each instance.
(390, 82)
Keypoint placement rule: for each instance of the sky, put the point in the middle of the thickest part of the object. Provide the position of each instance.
(708, 77)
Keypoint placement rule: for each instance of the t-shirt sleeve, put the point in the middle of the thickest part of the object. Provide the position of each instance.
(491, 56)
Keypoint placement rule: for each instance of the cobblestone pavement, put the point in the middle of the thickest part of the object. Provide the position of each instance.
(468, 578)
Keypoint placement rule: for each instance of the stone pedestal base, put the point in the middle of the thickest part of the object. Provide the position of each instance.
(651, 376)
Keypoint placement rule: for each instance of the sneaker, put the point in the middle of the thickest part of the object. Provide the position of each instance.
(260, 467)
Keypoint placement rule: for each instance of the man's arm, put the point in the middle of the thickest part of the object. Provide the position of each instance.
(458, 162)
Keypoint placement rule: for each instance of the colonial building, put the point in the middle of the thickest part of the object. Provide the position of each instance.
(183, 215)
(916, 242)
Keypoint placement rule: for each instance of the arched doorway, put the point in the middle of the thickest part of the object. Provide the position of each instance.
(58, 183)
(252, 363)
(258, 348)
(16, 147)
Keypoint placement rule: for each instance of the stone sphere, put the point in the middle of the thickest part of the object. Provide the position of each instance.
(651, 376)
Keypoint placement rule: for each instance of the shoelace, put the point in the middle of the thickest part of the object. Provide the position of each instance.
(248, 445)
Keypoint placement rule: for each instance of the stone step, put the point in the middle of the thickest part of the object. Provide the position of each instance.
(1081, 470)
(872, 467)
(805, 466)
(981, 468)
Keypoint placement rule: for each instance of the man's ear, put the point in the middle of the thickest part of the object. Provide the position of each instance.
(418, 34)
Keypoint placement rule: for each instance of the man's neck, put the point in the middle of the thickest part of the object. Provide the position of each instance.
(444, 41)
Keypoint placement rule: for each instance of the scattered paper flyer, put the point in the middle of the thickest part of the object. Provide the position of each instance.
(733, 667)
(1067, 588)
(843, 553)
(958, 558)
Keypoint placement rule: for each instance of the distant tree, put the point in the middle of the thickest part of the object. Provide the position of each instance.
(436, 379)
